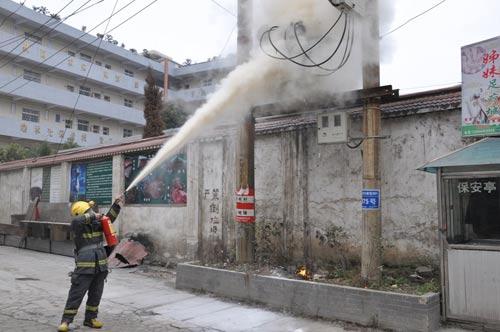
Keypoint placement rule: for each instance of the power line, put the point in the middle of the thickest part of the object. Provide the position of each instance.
(227, 40)
(69, 44)
(33, 33)
(224, 8)
(22, 36)
(8, 16)
(85, 80)
(411, 19)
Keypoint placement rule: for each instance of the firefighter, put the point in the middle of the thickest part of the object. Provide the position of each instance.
(91, 263)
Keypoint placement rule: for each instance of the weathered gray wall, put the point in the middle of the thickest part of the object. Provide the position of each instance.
(308, 195)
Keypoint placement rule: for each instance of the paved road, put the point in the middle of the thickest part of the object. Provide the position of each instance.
(34, 285)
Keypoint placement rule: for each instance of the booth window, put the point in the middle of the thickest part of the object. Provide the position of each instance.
(472, 209)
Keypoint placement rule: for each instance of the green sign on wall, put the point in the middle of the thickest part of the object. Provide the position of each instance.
(92, 182)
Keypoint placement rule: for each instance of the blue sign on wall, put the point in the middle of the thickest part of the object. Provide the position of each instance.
(370, 199)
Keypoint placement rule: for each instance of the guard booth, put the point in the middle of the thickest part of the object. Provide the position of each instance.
(468, 185)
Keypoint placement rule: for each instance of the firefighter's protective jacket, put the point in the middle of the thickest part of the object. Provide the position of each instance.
(90, 254)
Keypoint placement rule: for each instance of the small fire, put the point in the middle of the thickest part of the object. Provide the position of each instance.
(303, 273)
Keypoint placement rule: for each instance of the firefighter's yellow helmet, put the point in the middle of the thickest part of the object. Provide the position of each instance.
(80, 207)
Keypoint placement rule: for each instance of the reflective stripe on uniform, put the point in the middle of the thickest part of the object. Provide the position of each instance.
(85, 264)
(87, 218)
(103, 262)
(113, 213)
(70, 311)
(91, 308)
(91, 235)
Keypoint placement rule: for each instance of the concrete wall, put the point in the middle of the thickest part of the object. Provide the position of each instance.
(398, 312)
(308, 195)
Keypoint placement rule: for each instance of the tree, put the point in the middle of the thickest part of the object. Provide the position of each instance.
(13, 152)
(43, 149)
(70, 143)
(188, 62)
(152, 106)
(173, 115)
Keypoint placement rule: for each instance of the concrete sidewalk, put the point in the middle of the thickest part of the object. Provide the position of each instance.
(34, 285)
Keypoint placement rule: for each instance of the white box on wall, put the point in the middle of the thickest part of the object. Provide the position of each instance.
(332, 127)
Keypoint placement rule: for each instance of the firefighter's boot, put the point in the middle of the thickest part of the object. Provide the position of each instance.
(64, 327)
(94, 323)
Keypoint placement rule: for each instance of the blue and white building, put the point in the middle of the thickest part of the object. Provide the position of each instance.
(58, 82)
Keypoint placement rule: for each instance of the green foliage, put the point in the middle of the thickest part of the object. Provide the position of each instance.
(152, 107)
(70, 143)
(13, 152)
(173, 115)
(43, 149)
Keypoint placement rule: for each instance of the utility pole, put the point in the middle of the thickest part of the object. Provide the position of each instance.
(245, 217)
(371, 254)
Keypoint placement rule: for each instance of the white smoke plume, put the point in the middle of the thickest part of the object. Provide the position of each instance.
(263, 79)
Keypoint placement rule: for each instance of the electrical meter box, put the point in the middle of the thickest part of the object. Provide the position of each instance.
(332, 127)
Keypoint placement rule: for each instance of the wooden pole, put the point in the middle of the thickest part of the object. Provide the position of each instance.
(245, 232)
(371, 253)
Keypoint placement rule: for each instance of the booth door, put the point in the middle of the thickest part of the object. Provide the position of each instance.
(472, 249)
(473, 284)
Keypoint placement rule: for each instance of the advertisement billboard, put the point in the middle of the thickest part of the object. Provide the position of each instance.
(480, 88)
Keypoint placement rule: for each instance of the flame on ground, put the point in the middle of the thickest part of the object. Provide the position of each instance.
(303, 273)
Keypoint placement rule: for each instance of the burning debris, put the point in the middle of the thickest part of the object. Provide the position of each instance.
(303, 274)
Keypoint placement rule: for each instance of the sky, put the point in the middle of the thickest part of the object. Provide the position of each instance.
(422, 55)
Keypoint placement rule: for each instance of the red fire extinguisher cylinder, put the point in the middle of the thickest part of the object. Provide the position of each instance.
(109, 231)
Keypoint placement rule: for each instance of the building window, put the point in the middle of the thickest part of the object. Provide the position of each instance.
(83, 125)
(96, 95)
(105, 130)
(129, 73)
(58, 117)
(95, 129)
(32, 76)
(68, 124)
(31, 115)
(32, 38)
(128, 102)
(98, 63)
(85, 57)
(107, 98)
(107, 66)
(71, 53)
(207, 82)
(127, 132)
(84, 90)
(186, 86)
(70, 88)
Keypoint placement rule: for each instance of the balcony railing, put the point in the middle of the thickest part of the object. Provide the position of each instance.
(52, 134)
(74, 66)
(188, 95)
(41, 93)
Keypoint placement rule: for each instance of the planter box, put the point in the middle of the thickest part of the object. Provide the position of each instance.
(367, 307)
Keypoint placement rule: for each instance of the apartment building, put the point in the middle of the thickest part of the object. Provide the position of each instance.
(57, 82)
(192, 84)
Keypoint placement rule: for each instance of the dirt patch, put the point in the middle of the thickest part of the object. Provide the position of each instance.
(416, 280)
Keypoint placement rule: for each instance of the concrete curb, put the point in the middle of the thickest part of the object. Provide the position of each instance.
(367, 307)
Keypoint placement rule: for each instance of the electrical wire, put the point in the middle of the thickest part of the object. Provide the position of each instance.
(8, 16)
(227, 40)
(85, 80)
(224, 8)
(411, 19)
(22, 36)
(39, 28)
(346, 39)
(69, 44)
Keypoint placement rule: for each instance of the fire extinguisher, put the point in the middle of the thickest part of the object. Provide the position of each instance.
(109, 231)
